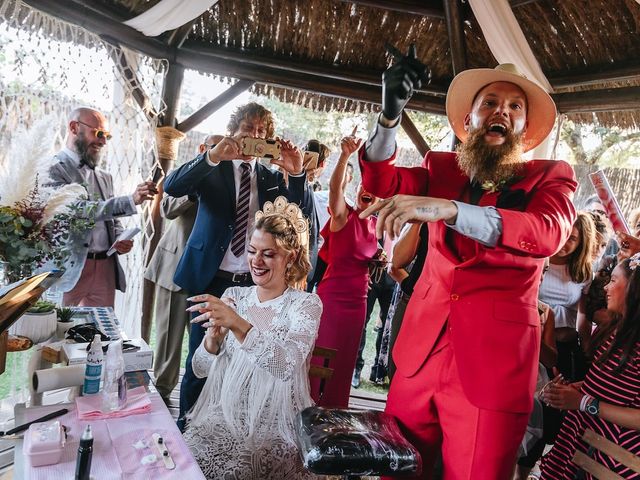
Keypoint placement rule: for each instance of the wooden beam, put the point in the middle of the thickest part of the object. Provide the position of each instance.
(520, 3)
(603, 100)
(416, 7)
(96, 20)
(414, 135)
(171, 94)
(308, 83)
(207, 110)
(180, 34)
(596, 75)
(335, 72)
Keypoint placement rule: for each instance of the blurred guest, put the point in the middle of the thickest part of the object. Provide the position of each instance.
(170, 300)
(255, 357)
(608, 401)
(564, 289)
(349, 244)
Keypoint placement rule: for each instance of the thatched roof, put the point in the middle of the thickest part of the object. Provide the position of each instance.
(319, 53)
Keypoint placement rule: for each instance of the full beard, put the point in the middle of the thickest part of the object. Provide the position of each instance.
(82, 148)
(490, 163)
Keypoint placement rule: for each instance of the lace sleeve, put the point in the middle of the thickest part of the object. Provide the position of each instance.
(282, 357)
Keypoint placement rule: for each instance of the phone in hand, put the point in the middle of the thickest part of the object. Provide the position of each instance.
(157, 174)
(310, 160)
(260, 147)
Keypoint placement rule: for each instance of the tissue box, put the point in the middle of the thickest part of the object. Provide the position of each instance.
(44, 443)
(138, 359)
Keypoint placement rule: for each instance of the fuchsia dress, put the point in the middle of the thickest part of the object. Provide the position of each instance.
(343, 291)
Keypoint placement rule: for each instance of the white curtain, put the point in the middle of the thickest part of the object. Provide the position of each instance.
(508, 45)
(169, 15)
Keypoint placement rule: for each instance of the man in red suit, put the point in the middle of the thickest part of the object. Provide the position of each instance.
(467, 352)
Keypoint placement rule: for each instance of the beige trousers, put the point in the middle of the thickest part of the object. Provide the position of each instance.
(171, 321)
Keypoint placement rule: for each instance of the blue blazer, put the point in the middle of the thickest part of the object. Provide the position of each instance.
(213, 228)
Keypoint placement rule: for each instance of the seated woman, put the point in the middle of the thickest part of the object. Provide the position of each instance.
(608, 401)
(255, 356)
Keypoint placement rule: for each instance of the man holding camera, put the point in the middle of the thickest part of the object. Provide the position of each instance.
(467, 351)
(230, 187)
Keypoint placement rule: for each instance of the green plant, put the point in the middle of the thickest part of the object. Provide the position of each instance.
(65, 314)
(42, 306)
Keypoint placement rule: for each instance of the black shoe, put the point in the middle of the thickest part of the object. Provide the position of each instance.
(374, 373)
(355, 380)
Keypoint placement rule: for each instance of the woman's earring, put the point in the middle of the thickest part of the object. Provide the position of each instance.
(289, 265)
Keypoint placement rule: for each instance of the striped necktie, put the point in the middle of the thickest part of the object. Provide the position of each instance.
(242, 211)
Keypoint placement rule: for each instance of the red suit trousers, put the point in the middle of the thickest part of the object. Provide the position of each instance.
(435, 415)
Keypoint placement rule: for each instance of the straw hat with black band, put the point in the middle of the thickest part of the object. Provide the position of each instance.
(541, 110)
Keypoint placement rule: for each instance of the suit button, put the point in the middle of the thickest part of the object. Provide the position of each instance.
(230, 227)
(455, 297)
(222, 249)
(86, 245)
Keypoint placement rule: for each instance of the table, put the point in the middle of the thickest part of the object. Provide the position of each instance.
(119, 446)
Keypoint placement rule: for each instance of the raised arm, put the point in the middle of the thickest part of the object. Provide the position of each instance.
(337, 202)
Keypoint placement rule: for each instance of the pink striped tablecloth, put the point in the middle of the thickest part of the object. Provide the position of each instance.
(122, 447)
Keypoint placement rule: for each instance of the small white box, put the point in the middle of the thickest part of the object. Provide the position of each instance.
(138, 359)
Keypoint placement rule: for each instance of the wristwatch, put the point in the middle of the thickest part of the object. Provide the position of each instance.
(593, 407)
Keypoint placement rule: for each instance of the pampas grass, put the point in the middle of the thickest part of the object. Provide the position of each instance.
(27, 162)
(60, 199)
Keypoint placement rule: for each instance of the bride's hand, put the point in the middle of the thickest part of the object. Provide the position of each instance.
(218, 313)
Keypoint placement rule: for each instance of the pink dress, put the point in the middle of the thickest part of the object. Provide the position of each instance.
(343, 291)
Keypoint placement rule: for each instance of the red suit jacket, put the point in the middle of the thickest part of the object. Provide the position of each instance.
(488, 295)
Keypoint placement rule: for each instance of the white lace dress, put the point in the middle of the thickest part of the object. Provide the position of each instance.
(242, 426)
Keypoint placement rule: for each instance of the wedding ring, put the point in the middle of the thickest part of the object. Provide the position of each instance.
(625, 244)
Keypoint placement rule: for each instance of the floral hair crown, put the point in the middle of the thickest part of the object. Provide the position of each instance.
(634, 261)
(291, 212)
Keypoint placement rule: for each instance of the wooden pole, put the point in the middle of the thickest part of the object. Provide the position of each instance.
(455, 28)
(171, 97)
(412, 132)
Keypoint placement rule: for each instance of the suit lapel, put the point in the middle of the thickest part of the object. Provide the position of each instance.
(228, 180)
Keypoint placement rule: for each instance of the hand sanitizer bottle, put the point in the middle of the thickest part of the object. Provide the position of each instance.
(93, 369)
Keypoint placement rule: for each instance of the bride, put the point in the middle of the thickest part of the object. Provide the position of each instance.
(255, 356)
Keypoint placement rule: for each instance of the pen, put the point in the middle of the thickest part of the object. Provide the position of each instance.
(24, 426)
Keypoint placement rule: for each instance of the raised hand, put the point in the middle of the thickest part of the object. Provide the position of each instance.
(350, 144)
(144, 191)
(226, 149)
(290, 157)
(400, 80)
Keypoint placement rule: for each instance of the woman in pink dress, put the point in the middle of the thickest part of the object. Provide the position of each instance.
(349, 245)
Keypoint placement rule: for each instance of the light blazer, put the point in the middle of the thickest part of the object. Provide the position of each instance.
(213, 228)
(164, 262)
(490, 298)
(108, 209)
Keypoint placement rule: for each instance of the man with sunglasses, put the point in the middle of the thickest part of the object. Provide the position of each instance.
(92, 277)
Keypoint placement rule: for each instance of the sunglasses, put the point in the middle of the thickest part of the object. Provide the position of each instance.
(98, 132)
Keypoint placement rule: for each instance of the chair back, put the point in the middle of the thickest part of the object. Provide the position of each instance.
(598, 442)
(324, 372)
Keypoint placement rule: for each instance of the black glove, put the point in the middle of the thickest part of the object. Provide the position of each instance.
(400, 80)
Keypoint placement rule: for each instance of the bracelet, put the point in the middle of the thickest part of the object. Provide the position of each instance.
(586, 399)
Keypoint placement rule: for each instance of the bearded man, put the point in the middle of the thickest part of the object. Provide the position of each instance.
(467, 351)
(92, 276)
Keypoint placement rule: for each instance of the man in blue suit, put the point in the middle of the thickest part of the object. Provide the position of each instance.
(214, 258)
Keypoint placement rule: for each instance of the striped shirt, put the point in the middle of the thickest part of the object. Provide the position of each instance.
(622, 389)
